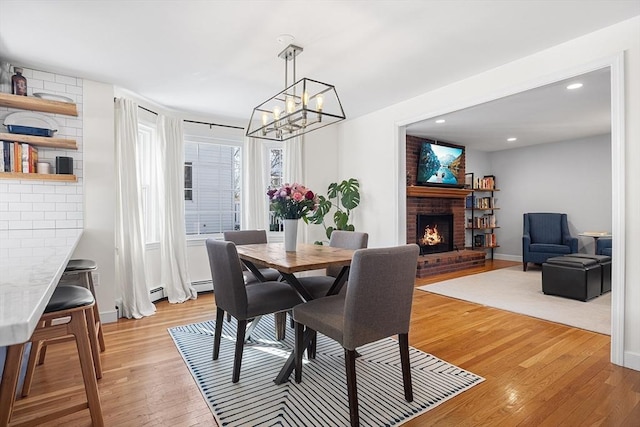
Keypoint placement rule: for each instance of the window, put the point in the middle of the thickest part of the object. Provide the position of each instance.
(275, 157)
(212, 187)
(147, 179)
(188, 181)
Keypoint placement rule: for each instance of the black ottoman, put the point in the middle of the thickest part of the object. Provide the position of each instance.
(572, 277)
(605, 264)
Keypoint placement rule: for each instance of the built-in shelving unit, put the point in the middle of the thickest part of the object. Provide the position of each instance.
(45, 106)
(480, 219)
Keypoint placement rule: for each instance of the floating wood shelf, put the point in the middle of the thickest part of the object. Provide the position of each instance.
(40, 176)
(437, 192)
(40, 141)
(38, 104)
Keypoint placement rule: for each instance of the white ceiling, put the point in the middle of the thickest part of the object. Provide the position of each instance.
(550, 113)
(219, 58)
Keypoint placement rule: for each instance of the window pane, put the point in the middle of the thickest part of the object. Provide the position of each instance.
(213, 194)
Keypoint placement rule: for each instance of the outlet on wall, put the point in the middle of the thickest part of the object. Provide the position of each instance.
(96, 279)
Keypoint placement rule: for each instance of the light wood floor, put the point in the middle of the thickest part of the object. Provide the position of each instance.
(537, 373)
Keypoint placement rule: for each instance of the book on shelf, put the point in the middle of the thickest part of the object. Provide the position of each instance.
(469, 202)
(18, 157)
(485, 183)
(490, 239)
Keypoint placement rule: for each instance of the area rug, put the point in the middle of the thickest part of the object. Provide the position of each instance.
(520, 291)
(321, 398)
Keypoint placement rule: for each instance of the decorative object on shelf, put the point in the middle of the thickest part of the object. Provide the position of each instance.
(53, 97)
(302, 107)
(347, 198)
(43, 168)
(5, 77)
(64, 165)
(29, 123)
(18, 82)
(291, 202)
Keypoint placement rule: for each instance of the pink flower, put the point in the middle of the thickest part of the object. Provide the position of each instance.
(297, 196)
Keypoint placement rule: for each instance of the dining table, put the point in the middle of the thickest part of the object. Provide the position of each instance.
(306, 257)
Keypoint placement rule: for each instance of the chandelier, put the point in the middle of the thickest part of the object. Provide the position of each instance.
(302, 107)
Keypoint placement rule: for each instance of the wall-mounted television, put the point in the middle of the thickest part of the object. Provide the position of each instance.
(440, 165)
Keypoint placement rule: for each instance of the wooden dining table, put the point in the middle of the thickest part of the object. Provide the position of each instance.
(306, 257)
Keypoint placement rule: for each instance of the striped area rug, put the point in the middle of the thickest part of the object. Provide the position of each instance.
(321, 398)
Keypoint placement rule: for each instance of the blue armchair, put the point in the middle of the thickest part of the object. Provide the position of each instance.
(546, 235)
(603, 246)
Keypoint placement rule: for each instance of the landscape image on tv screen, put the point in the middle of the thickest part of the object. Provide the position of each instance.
(439, 165)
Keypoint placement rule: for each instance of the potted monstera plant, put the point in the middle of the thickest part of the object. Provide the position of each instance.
(341, 199)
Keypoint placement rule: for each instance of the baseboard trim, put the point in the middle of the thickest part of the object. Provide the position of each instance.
(632, 360)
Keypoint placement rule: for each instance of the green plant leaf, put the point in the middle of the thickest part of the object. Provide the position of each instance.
(350, 193)
(341, 219)
(332, 191)
(329, 231)
(324, 206)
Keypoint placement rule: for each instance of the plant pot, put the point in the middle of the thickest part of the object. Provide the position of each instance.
(290, 234)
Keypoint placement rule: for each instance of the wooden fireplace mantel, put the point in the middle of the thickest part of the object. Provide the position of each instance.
(440, 192)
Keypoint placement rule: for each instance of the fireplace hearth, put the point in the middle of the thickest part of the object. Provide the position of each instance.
(435, 233)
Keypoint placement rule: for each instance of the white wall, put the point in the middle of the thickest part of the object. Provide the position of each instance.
(572, 177)
(375, 141)
(98, 238)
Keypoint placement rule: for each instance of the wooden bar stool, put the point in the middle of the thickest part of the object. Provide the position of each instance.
(85, 268)
(75, 303)
(39, 347)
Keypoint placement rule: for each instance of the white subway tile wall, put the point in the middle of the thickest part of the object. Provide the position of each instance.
(27, 204)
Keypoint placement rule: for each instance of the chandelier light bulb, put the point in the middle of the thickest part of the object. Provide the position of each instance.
(265, 119)
(319, 102)
(276, 113)
(291, 105)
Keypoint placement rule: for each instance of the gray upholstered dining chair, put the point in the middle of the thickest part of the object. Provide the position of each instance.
(376, 305)
(318, 286)
(249, 237)
(240, 301)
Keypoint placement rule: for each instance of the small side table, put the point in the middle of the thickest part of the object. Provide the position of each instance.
(595, 235)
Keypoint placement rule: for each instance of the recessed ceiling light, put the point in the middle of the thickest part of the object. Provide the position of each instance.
(440, 121)
(573, 86)
(512, 139)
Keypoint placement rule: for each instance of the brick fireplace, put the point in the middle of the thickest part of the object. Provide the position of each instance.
(437, 202)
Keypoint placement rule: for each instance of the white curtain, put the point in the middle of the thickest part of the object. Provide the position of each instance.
(174, 274)
(130, 257)
(293, 160)
(254, 186)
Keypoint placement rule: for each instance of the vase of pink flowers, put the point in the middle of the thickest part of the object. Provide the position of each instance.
(291, 202)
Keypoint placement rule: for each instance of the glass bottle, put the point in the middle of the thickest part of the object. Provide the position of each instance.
(18, 82)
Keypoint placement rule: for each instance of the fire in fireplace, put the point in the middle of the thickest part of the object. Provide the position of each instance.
(435, 233)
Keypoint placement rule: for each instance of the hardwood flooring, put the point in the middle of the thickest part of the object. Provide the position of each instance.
(538, 373)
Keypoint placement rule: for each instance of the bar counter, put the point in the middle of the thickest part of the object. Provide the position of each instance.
(31, 263)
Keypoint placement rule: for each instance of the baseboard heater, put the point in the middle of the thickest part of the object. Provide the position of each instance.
(158, 293)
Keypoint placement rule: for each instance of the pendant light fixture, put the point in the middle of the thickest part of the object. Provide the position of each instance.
(302, 107)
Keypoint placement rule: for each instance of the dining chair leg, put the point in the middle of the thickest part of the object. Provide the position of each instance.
(311, 349)
(237, 358)
(280, 325)
(352, 389)
(403, 342)
(218, 333)
(299, 335)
